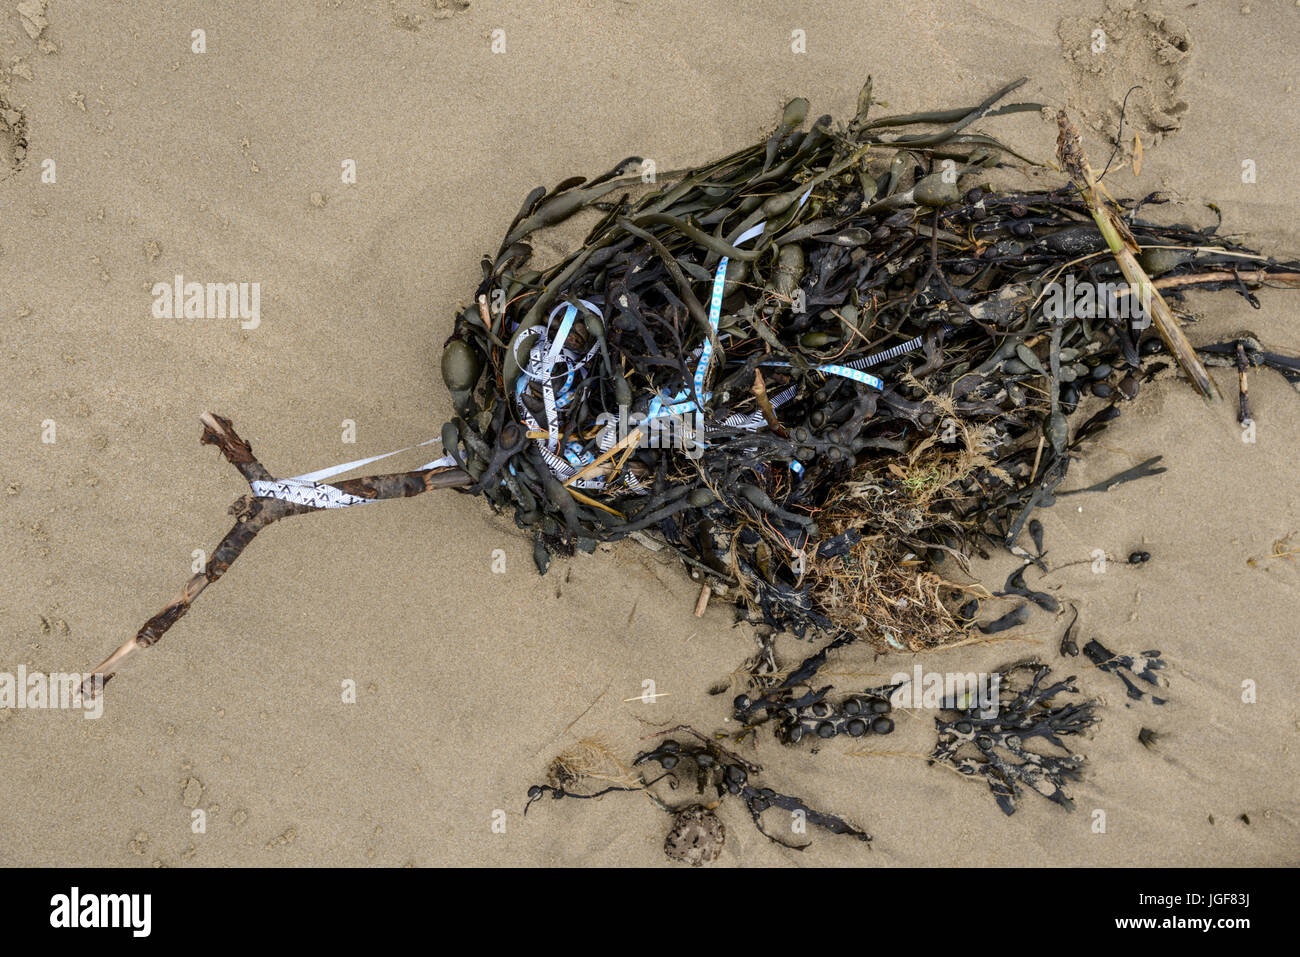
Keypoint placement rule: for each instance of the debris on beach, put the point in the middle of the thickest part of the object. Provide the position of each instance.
(726, 773)
(1141, 666)
(697, 835)
(823, 372)
(993, 746)
(865, 713)
(824, 369)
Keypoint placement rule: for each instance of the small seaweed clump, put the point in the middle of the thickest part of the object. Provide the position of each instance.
(728, 773)
(1142, 666)
(697, 835)
(855, 715)
(994, 746)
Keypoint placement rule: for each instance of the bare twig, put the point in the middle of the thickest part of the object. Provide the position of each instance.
(252, 514)
(1222, 275)
(1243, 411)
(1069, 151)
(703, 601)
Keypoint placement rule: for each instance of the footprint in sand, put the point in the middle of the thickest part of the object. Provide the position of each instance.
(1129, 44)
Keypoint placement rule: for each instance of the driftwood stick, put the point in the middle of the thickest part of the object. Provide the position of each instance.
(252, 514)
(1243, 407)
(1252, 276)
(1125, 249)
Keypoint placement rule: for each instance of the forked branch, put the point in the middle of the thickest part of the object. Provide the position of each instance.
(252, 514)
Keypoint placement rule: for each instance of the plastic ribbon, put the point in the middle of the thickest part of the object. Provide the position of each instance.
(303, 490)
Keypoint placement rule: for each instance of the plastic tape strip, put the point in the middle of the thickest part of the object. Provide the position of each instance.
(302, 491)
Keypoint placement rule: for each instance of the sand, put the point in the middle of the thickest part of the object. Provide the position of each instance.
(226, 166)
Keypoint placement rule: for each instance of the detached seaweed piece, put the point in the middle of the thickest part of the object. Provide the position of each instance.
(697, 835)
(1069, 642)
(995, 746)
(856, 715)
(781, 698)
(538, 791)
(1244, 352)
(1143, 666)
(1014, 618)
(576, 771)
(727, 774)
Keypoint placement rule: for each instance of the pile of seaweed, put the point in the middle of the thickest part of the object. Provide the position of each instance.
(823, 369)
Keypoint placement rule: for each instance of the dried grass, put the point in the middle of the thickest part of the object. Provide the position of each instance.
(881, 589)
(588, 762)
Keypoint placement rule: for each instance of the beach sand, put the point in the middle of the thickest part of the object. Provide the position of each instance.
(226, 166)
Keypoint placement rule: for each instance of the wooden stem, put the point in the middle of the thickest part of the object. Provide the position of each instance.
(1223, 275)
(1069, 151)
(252, 514)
